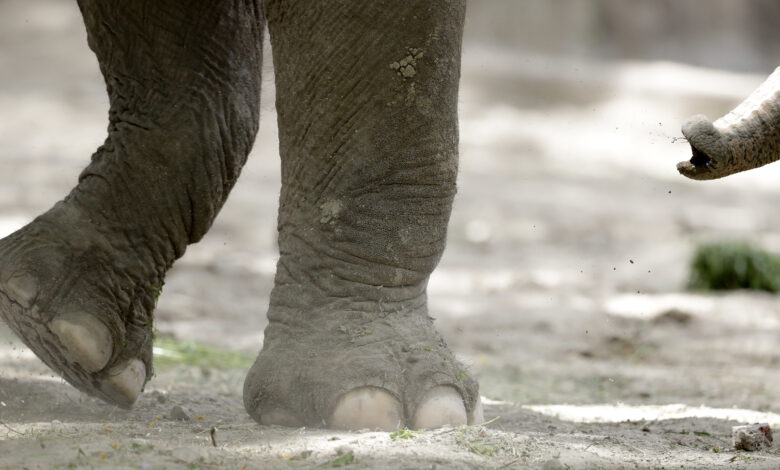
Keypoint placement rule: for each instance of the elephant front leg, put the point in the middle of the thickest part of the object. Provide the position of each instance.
(367, 106)
(748, 137)
(79, 283)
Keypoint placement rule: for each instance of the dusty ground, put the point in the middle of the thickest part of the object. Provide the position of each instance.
(562, 282)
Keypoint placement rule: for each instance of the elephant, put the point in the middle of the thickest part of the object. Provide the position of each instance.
(367, 96)
(747, 137)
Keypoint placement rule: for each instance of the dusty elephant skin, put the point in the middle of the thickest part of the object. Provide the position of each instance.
(748, 137)
(367, 106)
(183, 85)
(369, 161)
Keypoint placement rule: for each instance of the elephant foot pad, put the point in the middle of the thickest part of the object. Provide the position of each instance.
(74, 308)
(377, 373)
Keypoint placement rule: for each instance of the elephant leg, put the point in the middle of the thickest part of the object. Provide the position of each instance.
(367, 109)
(748, 137)
(79, 283)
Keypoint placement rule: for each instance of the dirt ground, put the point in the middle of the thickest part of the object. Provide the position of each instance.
(562, 284)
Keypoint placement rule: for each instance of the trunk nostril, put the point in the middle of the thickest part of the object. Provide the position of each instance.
(700, 159)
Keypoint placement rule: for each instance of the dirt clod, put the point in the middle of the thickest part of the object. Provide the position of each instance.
(752, 437)
(302, 455)
(553, 464)
(343, 450)
(179, 413)
(673, 316)
(160, 397)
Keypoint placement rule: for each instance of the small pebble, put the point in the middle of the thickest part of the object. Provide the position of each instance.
(160, 397)
(179, 413)
(553, 464)
(752, 437)
(341, 450)
(302, 455)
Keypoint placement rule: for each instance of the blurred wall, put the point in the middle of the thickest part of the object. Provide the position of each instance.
(740, 35)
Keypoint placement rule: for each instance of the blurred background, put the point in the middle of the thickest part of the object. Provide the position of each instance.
(722, 34)
(565, 278)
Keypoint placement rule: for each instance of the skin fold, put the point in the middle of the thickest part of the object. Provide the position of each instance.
(368, 179)
(748, 137)
(367, 111)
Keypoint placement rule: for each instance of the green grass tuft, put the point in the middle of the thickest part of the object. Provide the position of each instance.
(343, 461)
(169, 351)
(732, 265)
(402, 434)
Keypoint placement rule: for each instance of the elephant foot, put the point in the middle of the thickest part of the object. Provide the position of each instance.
(76, 295)
(349, 370)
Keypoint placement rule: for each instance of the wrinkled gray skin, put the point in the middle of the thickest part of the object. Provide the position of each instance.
(748, 137)
(367, 108)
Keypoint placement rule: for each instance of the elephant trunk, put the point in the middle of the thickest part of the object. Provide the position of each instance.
(748, 137)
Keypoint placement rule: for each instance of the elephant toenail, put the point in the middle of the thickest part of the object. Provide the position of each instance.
(86, 340)
(22, 289)
(441, 406)
(125, 384)
(368, 408)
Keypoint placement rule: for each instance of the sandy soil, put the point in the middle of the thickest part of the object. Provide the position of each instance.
(561, 285)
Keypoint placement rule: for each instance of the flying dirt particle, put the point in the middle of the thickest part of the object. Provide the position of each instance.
(631, 261)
